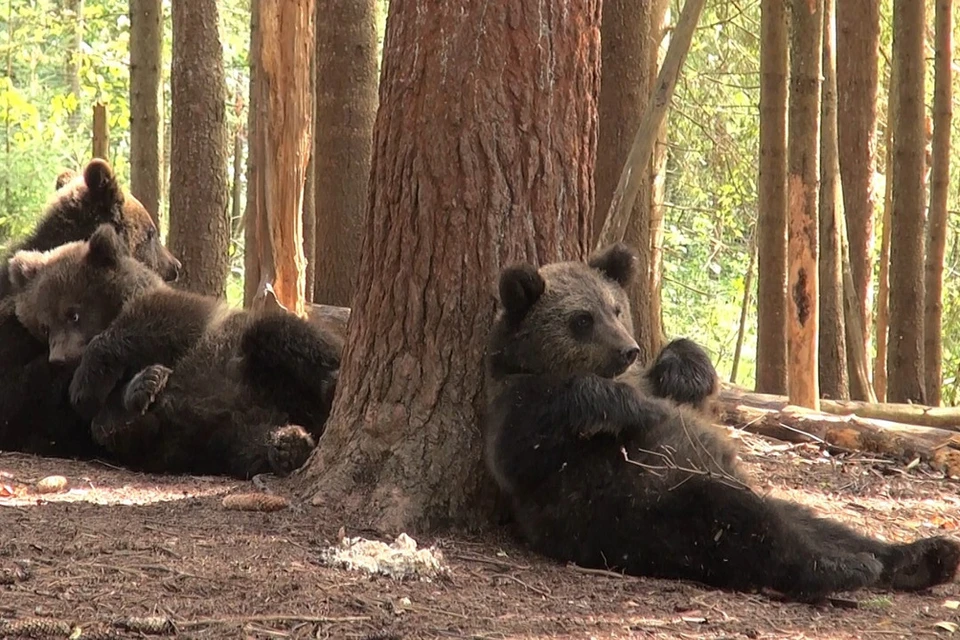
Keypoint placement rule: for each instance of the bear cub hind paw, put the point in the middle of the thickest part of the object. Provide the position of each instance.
(143, 390)
(289, 447)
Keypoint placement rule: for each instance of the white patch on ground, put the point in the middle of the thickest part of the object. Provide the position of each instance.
(399, 560)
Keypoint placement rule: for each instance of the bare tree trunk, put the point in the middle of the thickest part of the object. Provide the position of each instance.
(255, 152)
(858, 42)
(883, 279)
(75, 11)
(630, 40)
(346, 109)
(459, 189)
(834, 381)
(744, 307)
(236, 188)
(199, 228)
(803, 152)
(146, 40)
(101, 132)
(285, 102)
(772, 196)
(939, 183)
(905, 379)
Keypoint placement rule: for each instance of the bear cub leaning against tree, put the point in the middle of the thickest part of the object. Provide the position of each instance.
(174, 381)
(601, 472)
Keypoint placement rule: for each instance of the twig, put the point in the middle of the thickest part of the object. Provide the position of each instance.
(545, 594)
(600, 572)
(202, 622)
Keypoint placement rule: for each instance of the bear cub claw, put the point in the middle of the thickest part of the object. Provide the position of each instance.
(288, 448)
(143, 390)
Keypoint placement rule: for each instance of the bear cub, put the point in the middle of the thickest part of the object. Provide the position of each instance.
(35, 412)
(609, 473)
(177, 382)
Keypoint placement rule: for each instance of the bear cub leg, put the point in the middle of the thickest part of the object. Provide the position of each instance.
(288, 448)
(141, 392)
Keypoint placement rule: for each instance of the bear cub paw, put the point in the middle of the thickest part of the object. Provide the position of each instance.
(143, 390)
(289, 447)
(924, 563)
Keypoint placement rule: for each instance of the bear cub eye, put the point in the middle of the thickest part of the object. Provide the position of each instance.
(581, 323)
(73, 317)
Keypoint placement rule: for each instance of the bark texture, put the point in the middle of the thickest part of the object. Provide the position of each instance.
(905, 379)
(858, 46)
(803, 164)
(459, 189)
(772, 194)
(199, 225)
(146, 40)
(346, 108)
(251, 253)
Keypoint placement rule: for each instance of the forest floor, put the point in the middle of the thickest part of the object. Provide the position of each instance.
(118, 545)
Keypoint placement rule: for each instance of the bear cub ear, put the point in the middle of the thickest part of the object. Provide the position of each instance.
(65, 176)
(24, 267)
(618, 262)
(520, 287)
(105, 249)
(100, 180)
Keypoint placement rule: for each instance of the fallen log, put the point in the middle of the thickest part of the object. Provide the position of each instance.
(947, 418)
(939, 448)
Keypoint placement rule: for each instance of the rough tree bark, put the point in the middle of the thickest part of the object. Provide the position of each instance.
(834, 381)
(146, 40)
(803, 158)
(772, 195)
(631, 33)
(939, 184)
(858, 49)
(284, 128)
(905, 379)
(459, 189)
(346, 108)
(199, 226)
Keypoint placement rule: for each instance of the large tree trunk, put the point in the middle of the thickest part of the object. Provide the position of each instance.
(284, 134)
(806, 41)
(772, 196)
(459, 189)
(346, 108)
(858, 42)
(834, 381)
(905, 380)
(255, 151)
(630, 41)
(146, 39)
(199, 225)
(939, 184)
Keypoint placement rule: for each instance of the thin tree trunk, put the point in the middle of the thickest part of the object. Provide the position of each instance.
(905, 379)
(744, 307)
(858, 42)
(75, 8)
(834, 381)
(101, 132)
(459, 189)
(199, 229)
(803, 157)
(883, 279)
(346, 109)
(939, 184)
(255, 152)
(772, 195)
(146, 40)
(236, 190)
(630, 41)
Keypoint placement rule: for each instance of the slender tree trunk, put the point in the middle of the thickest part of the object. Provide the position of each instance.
(236, 188)
(75, 12)
(858, 46)
(905, 379)
(630, 40)
(834, 381)
(146, 40)
(803, 152)
(199, 228)
(346, 108)
(255, 151)
(939, 183)
(459, 189)
(772, 187)
(883, 278)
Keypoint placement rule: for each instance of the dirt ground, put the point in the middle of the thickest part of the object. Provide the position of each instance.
(163, 555)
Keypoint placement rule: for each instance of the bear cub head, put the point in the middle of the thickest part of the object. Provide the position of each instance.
(566, 317)
(69, 294)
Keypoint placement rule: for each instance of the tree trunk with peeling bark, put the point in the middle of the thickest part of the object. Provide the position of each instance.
(905, 379)
(803, 158)
(459, 189)
(858, 50)
(772, 195)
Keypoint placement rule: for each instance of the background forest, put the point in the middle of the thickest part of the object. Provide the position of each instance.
(60, 58)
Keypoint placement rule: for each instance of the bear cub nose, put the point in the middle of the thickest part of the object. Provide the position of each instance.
(629, 355)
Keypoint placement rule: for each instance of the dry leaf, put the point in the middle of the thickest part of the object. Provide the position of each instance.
(947, 626)
(6, 491)
(952, 604)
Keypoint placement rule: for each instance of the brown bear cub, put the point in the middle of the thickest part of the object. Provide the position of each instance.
(35, 413)
(175, 381)
(600, 472)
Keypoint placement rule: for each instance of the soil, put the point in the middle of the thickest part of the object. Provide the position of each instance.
(163, 556)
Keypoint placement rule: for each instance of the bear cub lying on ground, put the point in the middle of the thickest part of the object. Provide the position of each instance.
(173, 381)
(600, 472)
